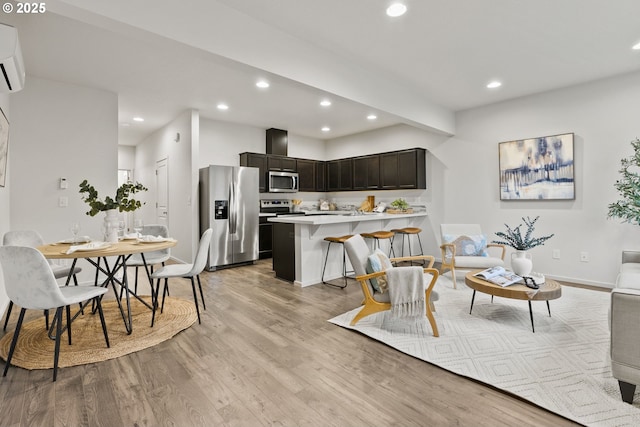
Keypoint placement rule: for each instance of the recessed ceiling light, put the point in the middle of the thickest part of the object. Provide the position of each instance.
(223, 107)
(262, 84)
(138, 119)
(372, 117)
(396, 9)
(636, 46)
(326, 129)
(494, 84)
(325, 102)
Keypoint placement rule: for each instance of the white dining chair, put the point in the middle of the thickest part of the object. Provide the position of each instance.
(187, 271)
(30, 284)
(32, 238)
(151, 258)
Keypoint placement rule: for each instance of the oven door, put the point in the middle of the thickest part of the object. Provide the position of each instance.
(283, 182)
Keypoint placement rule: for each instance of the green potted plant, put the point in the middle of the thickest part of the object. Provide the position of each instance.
(122, 201)
(400, 205)
(521, 262)
(628, 208)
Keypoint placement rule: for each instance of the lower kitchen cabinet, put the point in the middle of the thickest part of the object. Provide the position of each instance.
(284, 251)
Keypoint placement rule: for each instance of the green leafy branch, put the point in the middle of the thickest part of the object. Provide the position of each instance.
(123, 201)
(513, 236)
(628, 208)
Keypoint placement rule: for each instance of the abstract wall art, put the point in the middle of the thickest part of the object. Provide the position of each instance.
(537, 168)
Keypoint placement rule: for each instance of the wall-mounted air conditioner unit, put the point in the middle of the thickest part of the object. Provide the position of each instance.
(11, 65)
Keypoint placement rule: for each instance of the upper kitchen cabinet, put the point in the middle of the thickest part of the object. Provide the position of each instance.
(306, 174)
(366, 172)
(340, 175)
(281, 163)
(259, 161)
(277, 141)
(321, 176)
(403, 169)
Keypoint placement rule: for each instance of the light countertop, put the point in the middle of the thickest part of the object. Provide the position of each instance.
(337, 217)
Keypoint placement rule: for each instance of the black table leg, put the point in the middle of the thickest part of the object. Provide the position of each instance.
(548, 308)
(531, 315)
(472, 298)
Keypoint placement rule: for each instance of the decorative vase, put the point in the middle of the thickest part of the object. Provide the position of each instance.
(521, 263)
(110, 226)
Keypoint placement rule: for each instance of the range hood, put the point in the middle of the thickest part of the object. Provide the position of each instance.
(277, 140)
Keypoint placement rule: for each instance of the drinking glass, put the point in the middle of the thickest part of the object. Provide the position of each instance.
(121, 226)
(137, 226)
(75, 229)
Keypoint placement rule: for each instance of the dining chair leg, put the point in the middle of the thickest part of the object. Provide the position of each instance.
(69, 323)
(6, 319)
(14, 341)
(156, 295)
(195, 297)
(165, 291)
(56, 353)
(104, 325)
(46, 319)
(204, 306)
(135, 283)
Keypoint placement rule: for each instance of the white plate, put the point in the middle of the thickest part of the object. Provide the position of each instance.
(164, 239)
(95, 247)
(79, 239)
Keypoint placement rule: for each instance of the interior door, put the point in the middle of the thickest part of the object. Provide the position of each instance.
(162, 194)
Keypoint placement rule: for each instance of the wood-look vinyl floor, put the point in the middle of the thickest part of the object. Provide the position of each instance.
(264, 355)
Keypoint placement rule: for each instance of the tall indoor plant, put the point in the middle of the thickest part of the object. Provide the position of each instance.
(521, 262)
(123, 202)
(628, 207)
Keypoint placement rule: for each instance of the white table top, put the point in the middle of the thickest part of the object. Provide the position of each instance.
(333, 218)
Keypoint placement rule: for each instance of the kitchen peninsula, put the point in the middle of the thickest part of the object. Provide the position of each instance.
(298, 241)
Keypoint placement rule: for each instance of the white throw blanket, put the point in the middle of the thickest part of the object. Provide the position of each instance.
(406, 291)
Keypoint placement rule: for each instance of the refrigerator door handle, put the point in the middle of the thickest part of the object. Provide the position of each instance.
(232, 207)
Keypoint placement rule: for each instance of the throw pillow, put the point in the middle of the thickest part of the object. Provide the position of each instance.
(378, 261)
(473, 245)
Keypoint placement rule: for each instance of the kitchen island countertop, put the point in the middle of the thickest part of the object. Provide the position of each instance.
(339, 218)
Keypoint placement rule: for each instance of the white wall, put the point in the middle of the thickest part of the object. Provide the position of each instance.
(5, 201)
(183, 180)
(60, 130)
(604, 117)
(126, 157)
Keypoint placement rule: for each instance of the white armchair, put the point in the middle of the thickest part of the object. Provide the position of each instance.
(465, 247)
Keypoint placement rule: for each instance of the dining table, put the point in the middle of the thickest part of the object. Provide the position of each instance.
(98, 254)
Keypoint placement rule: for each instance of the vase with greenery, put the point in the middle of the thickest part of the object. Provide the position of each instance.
(123, 201)
(628, 207)
(521, 262)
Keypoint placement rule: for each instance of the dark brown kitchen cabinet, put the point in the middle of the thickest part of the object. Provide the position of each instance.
(339, 175)
(412, 169)
(333, 175)
(259, 161)
(366, 172)
(321, 176)
(281, 163)
(306, 174)
(403, 169)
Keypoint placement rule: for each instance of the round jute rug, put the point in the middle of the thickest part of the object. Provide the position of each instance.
(35, 350)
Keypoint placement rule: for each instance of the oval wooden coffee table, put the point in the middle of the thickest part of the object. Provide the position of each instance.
(548, 291)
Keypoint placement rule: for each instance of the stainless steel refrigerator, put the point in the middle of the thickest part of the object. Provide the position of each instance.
(229, 204)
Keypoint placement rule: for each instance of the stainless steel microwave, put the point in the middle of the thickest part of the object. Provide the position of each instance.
(283, 182)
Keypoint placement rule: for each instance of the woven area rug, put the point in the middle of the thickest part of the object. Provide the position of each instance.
(564, 366)
(35, 350)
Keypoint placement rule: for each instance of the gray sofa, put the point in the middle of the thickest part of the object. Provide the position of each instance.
(625, 323)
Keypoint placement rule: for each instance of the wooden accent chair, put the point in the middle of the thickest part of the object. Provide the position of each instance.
(465, 247)
(374, 302)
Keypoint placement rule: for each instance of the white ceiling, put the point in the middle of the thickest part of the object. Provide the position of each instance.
(162, 57)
